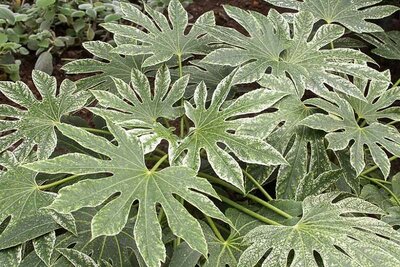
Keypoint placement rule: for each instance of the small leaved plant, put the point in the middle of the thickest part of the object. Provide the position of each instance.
(186, 164)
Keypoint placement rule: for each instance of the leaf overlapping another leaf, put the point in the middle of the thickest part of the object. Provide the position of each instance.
(227, 252)
(131, 181)
(272, 47)
(214, 125)
(108, 65)
(116, 249)
(387, 43)
(309, 167)
(34, 123)
(138, 109)
(342, 127)
(337, 230)
(162, 41)
(21, 200)
(353, 14)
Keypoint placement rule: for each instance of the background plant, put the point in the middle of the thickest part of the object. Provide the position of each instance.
(208, 146)
(48, 27)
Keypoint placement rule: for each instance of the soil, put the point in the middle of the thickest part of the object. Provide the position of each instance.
(196, 9)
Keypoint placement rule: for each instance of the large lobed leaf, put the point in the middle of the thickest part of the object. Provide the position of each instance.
(351, 14)
(387, 43)
(131, 181)
(227, 252)
(108, 65)
(216, 125)
(21, 200)
(117, 249)
(33, 123)
(309, 168)
(161, 40)
(337, 230)
(272, 47)
(342, 125)
(139, 107)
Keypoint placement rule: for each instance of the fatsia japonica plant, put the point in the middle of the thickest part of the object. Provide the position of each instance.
(209, 146)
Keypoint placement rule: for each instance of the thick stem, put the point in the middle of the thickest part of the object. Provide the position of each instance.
(377, 179)
(215, 229)
(257, 184)
(182, 122)
(250, 196)
(384, 187)
(248, 212)
(155, 167)
(396, 83)
(67, 179)
(375, 167)
(94, 130)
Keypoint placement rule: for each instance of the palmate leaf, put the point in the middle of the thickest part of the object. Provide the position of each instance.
(302, 147)
(387, 43)
(227, 253)
(116, 249)
(161, 41)
(77, 258)
(214, 126)
(210, 74)
(21, 200)
(35, 124)
(106, 66)
(342, 127)
(351, 14)
(11, 256)
(131, 181)
(44, 247)
(339, 231)
(272, 47)
(184, 256)
(380, 97)
(139, 109)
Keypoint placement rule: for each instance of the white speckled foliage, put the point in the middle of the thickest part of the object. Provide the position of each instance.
(337, 230)
(353, 14)
(132, 181)
(188, 143)
(212, 127)
(34, 122)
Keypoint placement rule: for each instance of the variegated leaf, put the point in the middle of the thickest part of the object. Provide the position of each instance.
(120, 250)
(380, 97)
(227, 252)
(106, 66)
(336, 229)
(34, 123)
(139, 108)
(44, 247)
(21, 199)
(272, 46)
(303, 148)
(160, 40)
(77, 258)
(353, 14)
(215, 125)
(387, 43)
(131, 181)
(341, 125)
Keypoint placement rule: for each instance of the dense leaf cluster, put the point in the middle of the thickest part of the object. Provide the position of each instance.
(211, 147)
